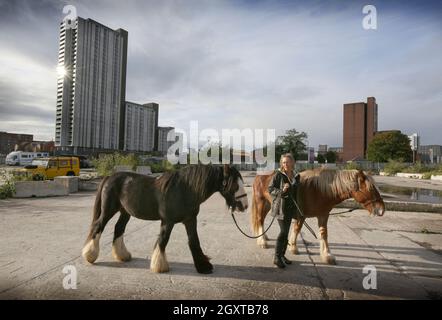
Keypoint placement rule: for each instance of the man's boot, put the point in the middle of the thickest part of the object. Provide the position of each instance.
(284, 259)
(277, 261)
(278, 255)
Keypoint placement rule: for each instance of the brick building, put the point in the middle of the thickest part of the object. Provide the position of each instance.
(9, 140)
(360, 125)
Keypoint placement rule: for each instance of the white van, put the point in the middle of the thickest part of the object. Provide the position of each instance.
(21, 158)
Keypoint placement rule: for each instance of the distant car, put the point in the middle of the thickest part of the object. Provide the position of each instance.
(84, 162)
(21, 158)
(51, 167)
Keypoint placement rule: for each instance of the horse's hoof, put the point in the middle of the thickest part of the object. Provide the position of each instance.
(158, 263)
(91, 250)
(156, 268)
(205, 271)
(294, 250)
(125, 258)
(329, 259)
(262, 243)
(159, 270)
(204, 268)
(119, 251)
(89, 255)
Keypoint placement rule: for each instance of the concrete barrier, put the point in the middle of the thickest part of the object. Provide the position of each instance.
(88, 185)
(71, 183)
(436, 177)
(47, 188)
(410, 175)
(146, 170)
(123, 169)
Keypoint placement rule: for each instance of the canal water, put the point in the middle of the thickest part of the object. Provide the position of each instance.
(410, 194)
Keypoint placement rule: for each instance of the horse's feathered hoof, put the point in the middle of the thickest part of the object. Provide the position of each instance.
(122, 258)
(90, 255)
(91, 249)
(205, 271)
(262, 242)
(204, 266)
(119, 251)
(329, 259)
(158, 263)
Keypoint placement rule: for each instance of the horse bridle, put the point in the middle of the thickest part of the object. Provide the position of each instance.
(353, 209)
(365, 203)
(236, 198)
(241, 196)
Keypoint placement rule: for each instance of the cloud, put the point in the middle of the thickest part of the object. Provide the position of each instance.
(227, 64)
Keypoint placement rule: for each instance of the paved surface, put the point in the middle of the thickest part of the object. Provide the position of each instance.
(39, 237)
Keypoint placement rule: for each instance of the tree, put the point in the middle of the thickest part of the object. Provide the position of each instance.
(320, 158)
(292, 142)
(389, 145)
(331, 156)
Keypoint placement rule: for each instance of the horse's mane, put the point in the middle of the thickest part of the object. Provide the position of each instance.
(200, 179)
(334, 183)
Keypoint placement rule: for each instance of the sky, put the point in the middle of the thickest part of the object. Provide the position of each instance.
(241, 64)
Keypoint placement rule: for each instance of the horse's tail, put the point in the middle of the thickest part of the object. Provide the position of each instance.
(97, 207)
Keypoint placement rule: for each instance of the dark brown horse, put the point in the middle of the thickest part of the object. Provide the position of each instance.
(319, 191)
(172, 198)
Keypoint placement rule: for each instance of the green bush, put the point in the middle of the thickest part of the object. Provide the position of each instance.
(162, 166)
(427, 175)
(25, 176)
(372, 172)
(394, 166)
(352, 166)
(418, 167)
(436, 171)
(105, 165)
(7, 189)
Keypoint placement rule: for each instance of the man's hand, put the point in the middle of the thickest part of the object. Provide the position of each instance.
(285, 187)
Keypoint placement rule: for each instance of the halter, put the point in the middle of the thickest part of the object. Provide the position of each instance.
(236, 198)
(353, 209)
(241, 196)
(371, 200)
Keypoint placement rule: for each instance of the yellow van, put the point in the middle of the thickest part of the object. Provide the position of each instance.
(49, 168)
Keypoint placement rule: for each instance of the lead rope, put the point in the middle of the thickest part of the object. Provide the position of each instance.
(251, 237)
(350, 210)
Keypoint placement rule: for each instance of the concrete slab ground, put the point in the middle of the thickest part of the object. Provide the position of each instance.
(41, 236)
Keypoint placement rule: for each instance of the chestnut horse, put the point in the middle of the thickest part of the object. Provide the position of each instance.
(319, 191)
